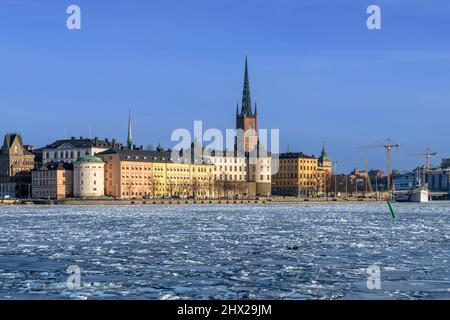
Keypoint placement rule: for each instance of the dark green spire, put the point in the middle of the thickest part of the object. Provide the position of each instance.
(324, 156)
(246, 101)
(129, 138)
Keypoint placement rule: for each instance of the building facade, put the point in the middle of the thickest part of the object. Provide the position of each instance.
(154, 174)
(16, 163)
(260, 173)
(298, 175)
(324, 174)
(88, 177)
(70, 150)
(230, 174)
(404, 181)
(438, 179)
(445, 164)
(52, 181)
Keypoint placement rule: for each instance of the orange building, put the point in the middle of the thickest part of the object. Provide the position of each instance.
(52, 181)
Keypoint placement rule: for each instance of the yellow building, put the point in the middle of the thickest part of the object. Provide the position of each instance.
(154, 174)
(297, 175)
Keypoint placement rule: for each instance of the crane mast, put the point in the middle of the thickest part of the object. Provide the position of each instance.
(388, 145)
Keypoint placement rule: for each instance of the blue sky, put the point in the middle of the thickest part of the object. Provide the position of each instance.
(317, 72)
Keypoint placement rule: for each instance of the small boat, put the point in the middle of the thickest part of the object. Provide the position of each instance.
(402, 197)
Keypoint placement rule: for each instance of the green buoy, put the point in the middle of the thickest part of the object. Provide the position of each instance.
(391, 207)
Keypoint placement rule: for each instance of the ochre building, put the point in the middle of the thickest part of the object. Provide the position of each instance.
(154, 174)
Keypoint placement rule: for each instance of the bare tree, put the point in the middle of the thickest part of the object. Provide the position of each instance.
(151, 185)
(226, 186)
(242, 188)
(129, 189)
(170, 187)
(195, 187)
(210, 185)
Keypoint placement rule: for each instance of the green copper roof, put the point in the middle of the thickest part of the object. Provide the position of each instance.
(89, 159)
(324, 156)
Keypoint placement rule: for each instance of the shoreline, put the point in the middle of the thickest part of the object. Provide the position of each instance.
(149, 202)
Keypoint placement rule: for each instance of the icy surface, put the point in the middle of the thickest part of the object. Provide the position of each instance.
(225, 252)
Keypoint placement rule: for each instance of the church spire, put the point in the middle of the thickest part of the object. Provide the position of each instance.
(129, 138)
(324, 155)
(246, 101)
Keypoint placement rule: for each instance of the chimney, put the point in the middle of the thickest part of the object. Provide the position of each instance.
(113, 143)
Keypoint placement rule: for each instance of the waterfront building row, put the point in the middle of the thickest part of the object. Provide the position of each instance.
(85, 167)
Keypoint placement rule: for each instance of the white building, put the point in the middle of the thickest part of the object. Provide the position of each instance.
(241, 175)
(88, 177)
(260, 171)
(229, 167)
(70, 150)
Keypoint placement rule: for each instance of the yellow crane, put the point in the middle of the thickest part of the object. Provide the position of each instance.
(428, 154)
(388, 145)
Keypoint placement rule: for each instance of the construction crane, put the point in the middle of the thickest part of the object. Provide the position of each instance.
(428, 154)
(388, 144)
(364, 168)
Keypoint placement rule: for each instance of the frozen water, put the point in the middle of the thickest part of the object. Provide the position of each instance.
(225, 252)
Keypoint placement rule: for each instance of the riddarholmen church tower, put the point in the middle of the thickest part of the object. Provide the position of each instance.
(258, 161)
(247, 119)
(251, 171)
